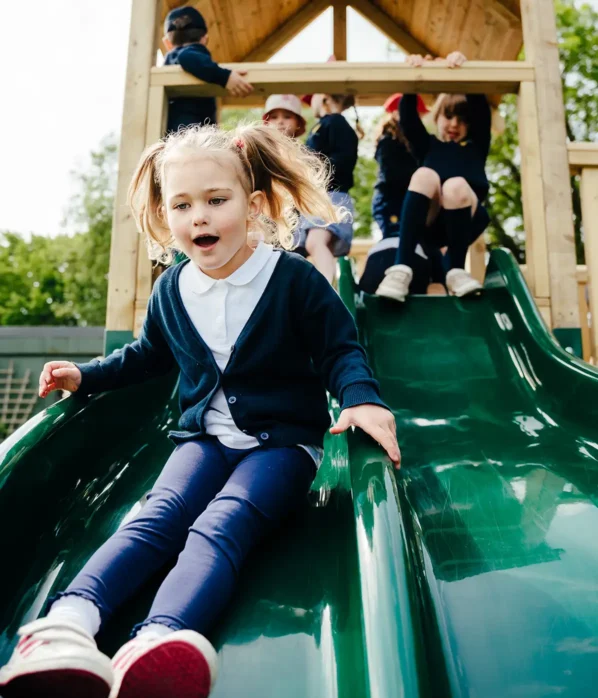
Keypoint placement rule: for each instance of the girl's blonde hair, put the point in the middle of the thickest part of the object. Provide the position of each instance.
(291, 178)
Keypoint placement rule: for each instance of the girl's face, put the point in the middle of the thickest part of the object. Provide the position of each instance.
(453, 129)
(208, 211)
(285, 121)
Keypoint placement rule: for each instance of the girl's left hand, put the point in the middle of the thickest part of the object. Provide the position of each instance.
(455, 59)
(376, 421)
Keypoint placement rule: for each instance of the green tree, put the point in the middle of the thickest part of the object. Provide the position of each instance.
(63, 280)
(89, 215)
(576, 27)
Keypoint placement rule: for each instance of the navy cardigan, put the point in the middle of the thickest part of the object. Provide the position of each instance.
(299, 341)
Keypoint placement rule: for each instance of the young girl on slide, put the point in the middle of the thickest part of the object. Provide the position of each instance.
(257, 335)
(444, 203)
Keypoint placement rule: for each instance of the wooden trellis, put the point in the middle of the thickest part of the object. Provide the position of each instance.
(17, 399)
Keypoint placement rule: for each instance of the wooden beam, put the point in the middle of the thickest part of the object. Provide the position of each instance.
(532, 192)
(356, 78)
(156, 126)
(589, 215)
(582, 155)
(339, 28)
(288, 30)
(124, 245)
(394, 31)
(541, 49)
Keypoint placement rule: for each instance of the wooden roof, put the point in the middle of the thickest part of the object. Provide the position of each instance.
(255, 29)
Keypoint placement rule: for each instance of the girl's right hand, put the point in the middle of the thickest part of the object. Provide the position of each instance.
(59, 375)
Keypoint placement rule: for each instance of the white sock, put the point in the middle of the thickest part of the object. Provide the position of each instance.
(156, 628)
(78, 610)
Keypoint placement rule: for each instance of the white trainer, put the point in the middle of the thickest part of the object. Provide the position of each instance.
(182, 664)
(395, 283)
(460, 283)
(56, 658)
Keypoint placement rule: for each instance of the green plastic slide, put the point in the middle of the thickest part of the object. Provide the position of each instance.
(473, 572)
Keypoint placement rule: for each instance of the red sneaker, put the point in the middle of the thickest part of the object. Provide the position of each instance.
(182, 664)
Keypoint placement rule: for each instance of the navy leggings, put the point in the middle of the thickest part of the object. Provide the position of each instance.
(210, 505)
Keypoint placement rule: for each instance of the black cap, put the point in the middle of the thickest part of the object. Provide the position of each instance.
(184, 18)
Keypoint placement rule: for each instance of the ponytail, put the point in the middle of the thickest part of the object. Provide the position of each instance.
(291, 177)
(145, 200)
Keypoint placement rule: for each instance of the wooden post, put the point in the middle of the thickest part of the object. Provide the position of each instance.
(339, 24)
(156, 126)
(534, 205)
(124, 245)
(541, 49)
(589, 213)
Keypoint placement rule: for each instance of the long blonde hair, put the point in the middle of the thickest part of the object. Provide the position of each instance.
(290, 176)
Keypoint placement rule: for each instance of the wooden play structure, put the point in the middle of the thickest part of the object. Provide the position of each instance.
(490, 32)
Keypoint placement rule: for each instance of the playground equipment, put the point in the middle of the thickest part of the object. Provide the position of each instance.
(473, 571)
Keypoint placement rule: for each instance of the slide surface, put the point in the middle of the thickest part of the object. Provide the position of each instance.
(473, 572)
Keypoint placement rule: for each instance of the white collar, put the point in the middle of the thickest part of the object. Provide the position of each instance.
(244, 275)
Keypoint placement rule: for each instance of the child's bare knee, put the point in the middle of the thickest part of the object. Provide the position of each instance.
(425, 181)
(456, 192)
(317, 238)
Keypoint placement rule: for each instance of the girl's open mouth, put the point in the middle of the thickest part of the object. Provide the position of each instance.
(205, 241)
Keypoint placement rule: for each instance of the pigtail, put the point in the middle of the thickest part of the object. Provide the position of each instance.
(291, 177)
(145, 200)
(360, 132)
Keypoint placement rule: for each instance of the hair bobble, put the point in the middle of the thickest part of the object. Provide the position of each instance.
(239, 143)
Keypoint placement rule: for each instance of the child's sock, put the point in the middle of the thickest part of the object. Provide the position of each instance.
(156, 628)
(458, 232)
(413, 223)
(78, 610)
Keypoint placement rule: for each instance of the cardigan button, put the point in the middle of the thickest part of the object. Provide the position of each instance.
(232, 400)
(264, 436)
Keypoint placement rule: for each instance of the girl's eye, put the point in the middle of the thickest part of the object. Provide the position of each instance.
(217, 201)
(181, 207)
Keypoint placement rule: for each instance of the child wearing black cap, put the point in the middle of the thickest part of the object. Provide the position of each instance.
(186, 38)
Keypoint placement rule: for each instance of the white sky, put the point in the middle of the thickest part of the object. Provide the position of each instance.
(62, 92)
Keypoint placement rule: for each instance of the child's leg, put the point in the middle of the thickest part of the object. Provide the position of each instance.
(420, 209)
(460, 203)
(193, 475)
(318, 247)
(264, 488)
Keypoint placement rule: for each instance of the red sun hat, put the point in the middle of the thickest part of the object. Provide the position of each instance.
(392, 104)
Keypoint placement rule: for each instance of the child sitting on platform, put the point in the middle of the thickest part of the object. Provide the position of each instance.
(333, 139)
(396, 166)
(186, 38)
(443, 205)
(258, 337)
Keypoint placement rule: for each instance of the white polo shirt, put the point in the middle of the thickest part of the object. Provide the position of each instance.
(219, 309)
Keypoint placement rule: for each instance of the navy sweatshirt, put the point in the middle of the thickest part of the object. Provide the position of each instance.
(299, 341)
(397, 166)
(334, 138)
(466, 159)
(186, 111)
